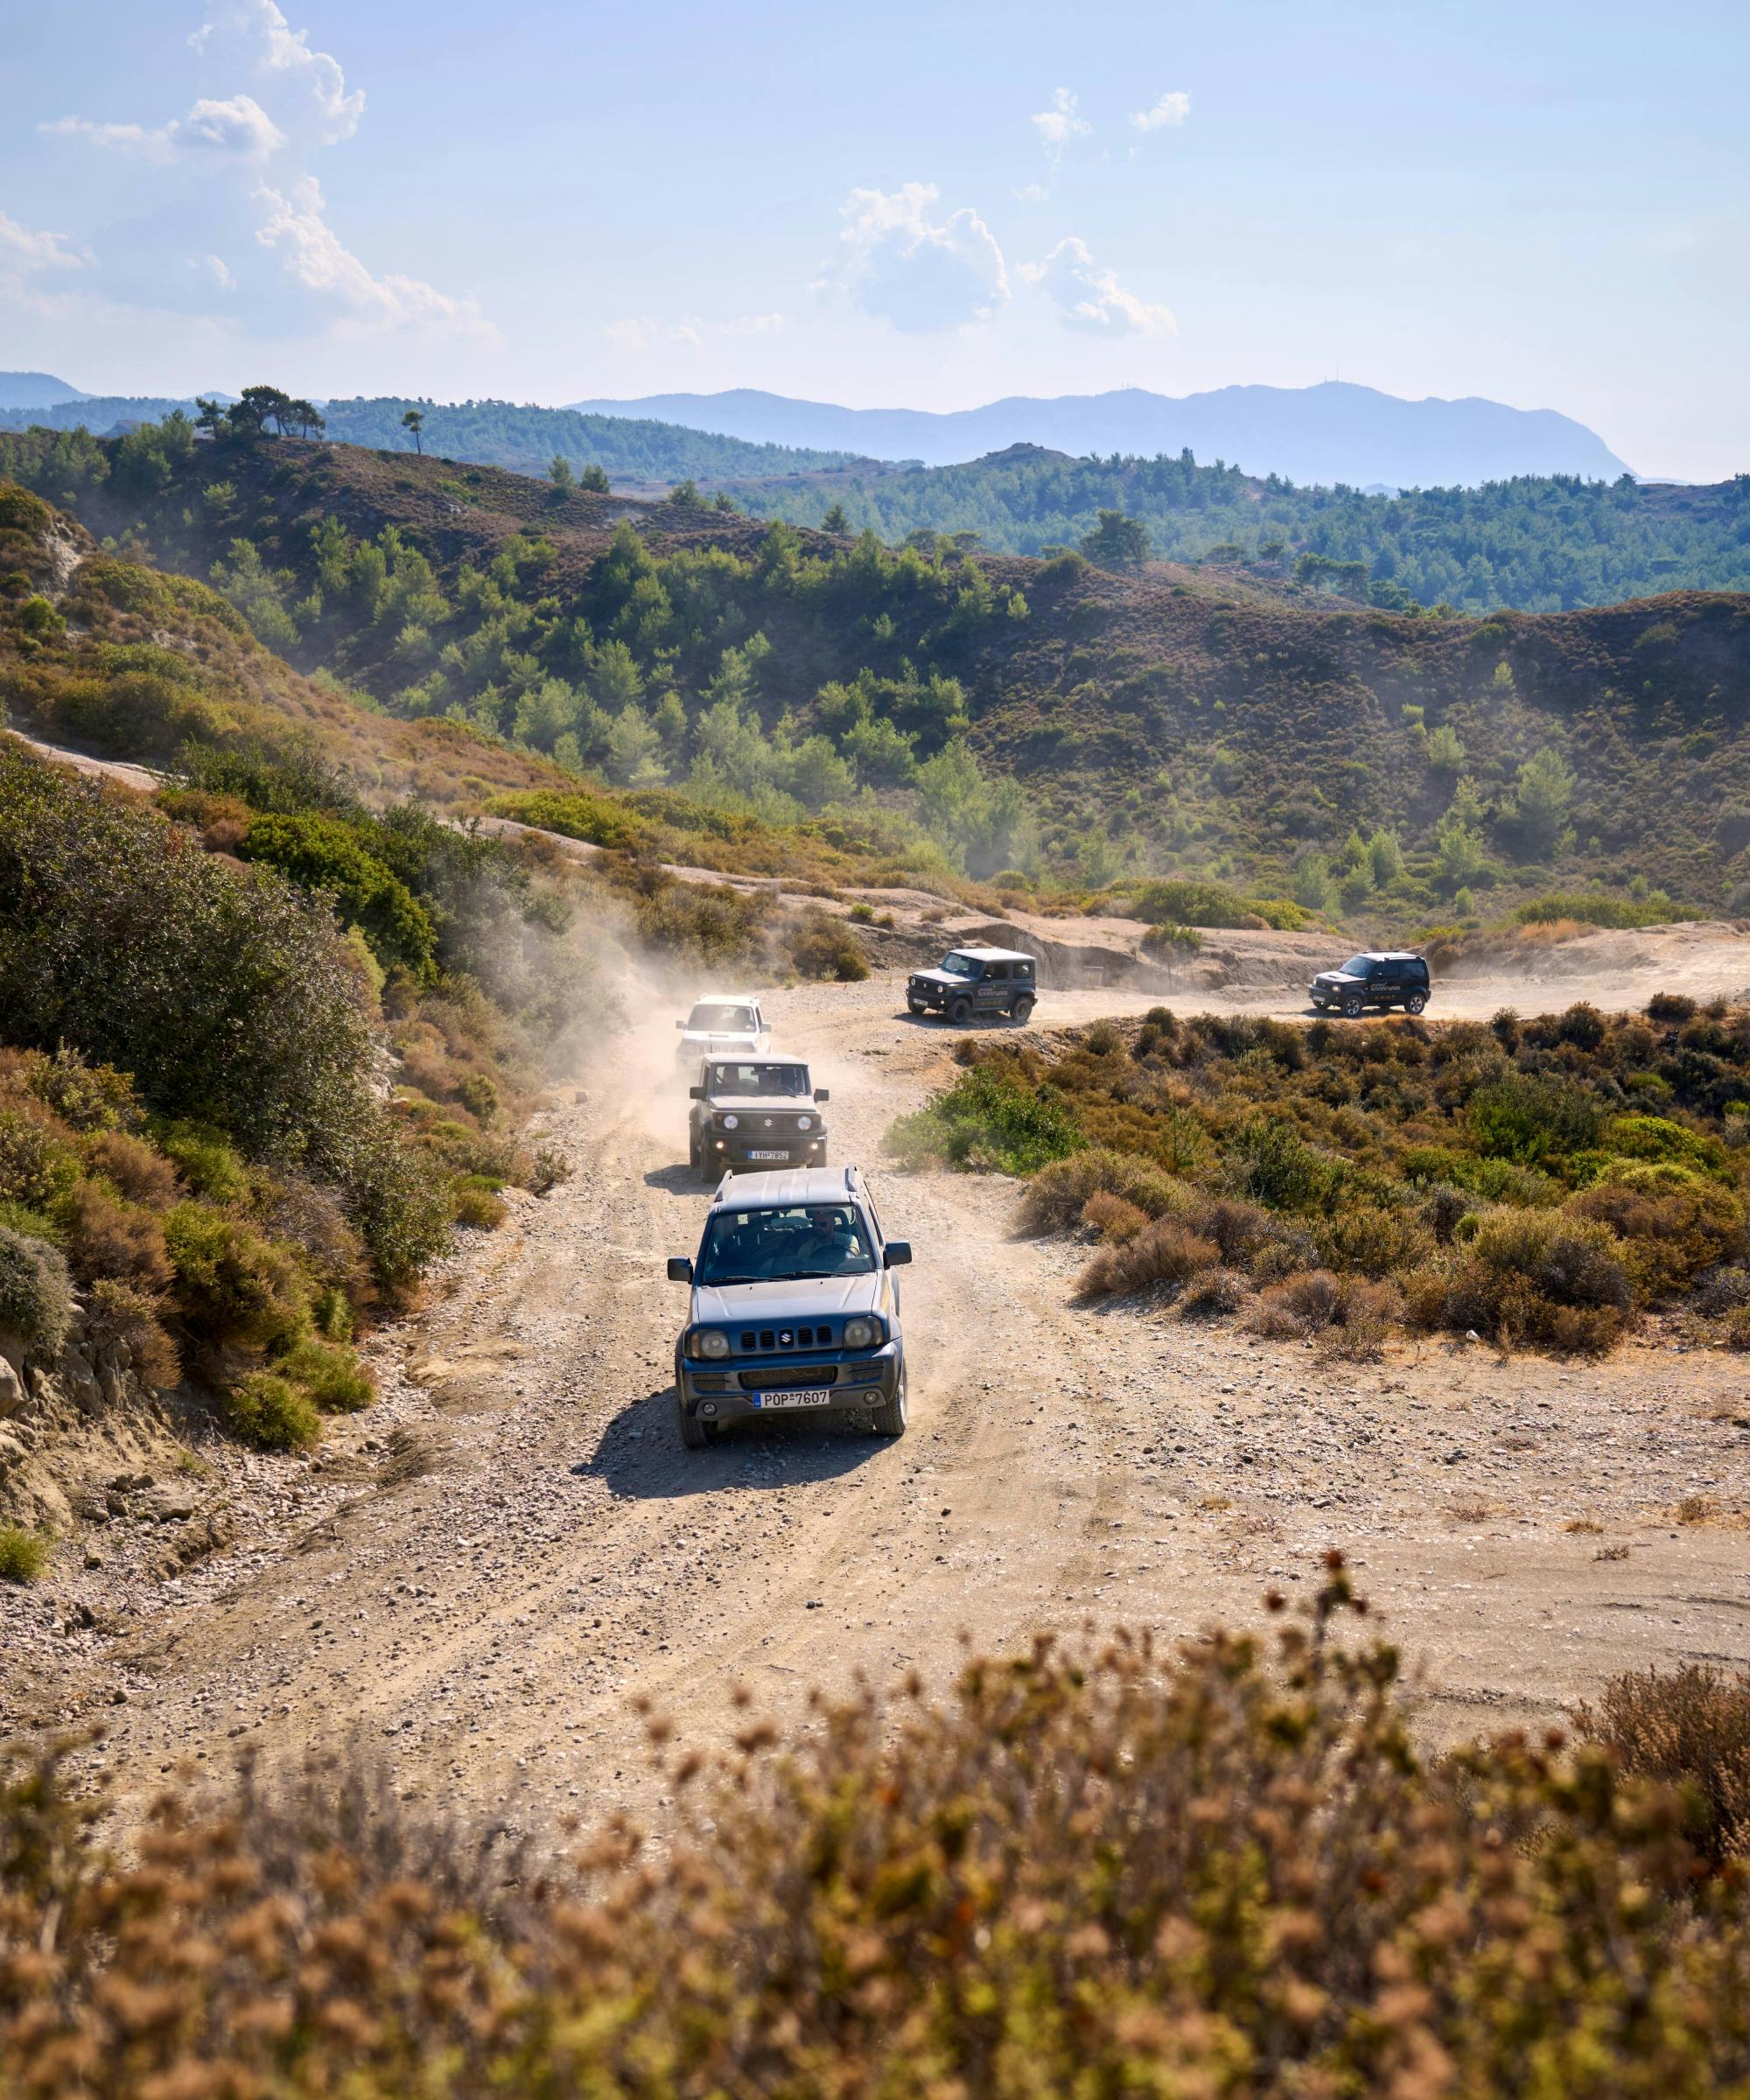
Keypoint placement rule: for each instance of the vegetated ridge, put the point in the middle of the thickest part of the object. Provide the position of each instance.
(500, 433)
(1334, 431)
(1053, 720)
(1538, 543)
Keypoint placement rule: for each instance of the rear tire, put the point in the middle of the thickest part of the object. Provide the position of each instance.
(1022, 1011)
(960, 1013)
(889, 1419)
(1352, 1006)
(695, 1434)
(1416, 1002)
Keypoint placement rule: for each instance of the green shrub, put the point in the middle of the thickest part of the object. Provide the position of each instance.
(329, 1373)
(88, 1097)
(1189, 902)
(1056, 1196)
(206, 1162)
(321, 853)
(983, 1121)
(232, 1284)
(822, 947)
(36, 1294)
(24, 1554)
(273, 1414)
(1597, 907)
(1673, 1224)
(1525, 1117)
(38, 1167)
(477, 1203)
(119, 1312)
(573, 815)
(1538, 1278)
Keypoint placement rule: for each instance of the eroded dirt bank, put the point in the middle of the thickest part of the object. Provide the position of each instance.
(478, 1573)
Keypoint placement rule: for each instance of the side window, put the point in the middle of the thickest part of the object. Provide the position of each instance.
(1023, 970)
(874, 1218)
(997, 973)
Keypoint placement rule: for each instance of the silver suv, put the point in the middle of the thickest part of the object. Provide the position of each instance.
(754, 1112)
(795, 1307)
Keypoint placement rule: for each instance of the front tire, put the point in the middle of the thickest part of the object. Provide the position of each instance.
(1022, 1012)
(695, 1434)
(914, 1008)
(1416, 1002)
(960, 1013)
(1352, 1007)
(889, 1419)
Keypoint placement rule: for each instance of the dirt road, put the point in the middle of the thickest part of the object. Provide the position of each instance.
(479, 1572)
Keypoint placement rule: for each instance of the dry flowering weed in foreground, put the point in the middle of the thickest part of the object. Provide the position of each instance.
(1101, 1869)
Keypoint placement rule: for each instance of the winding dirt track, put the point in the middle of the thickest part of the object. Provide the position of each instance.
(482, 1600)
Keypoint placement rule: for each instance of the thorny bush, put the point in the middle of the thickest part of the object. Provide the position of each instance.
(1225, 1870)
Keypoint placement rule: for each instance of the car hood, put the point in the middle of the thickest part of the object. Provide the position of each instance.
(770, 1302)
(942, 976)
(764, 1104)
(1337, 976)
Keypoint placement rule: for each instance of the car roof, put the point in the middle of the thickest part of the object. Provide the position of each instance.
(994, 954)
(727, 998)
(753, 1057)
(787, 1187)
(1391, 955)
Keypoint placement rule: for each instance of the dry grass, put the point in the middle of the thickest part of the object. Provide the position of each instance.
(1688, 1728)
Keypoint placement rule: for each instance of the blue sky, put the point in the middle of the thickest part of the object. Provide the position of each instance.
(930, 205)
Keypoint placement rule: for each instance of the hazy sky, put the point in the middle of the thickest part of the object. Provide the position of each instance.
(932, 204)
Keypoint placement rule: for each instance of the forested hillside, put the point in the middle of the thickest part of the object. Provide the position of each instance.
(496, 433)
(1047, 719)
(1536, 544)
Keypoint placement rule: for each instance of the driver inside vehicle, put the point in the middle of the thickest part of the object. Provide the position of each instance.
(831, 1244)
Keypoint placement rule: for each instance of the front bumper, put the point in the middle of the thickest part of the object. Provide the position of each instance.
(734, 1153)
(717, 1392)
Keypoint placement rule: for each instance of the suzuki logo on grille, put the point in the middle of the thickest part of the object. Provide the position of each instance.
(785, 1337)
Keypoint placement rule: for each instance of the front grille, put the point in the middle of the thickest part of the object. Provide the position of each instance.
(786, 1337)
(790, 1381)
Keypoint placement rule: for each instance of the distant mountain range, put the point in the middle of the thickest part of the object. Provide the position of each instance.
(1324, 434)
(35, 390)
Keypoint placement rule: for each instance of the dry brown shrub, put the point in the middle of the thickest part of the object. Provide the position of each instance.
(119, 1314)
(1055, 1196)
(1366, 1315)
(107, 1237)
(1238, 1229)
(1214, 1294)
(1688, 1728)
(1167, 1252)
(1303, 1305)
(140, 1173)
(1114, 1219)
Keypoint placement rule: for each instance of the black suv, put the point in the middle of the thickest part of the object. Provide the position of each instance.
(1395, 978)
(974, 982)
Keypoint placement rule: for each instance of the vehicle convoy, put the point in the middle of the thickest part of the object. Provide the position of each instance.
(795, 1307)
(1393, 977)
(755, 1112)
(974, 983)
(725, 1021)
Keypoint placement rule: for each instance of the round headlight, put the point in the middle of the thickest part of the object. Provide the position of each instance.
(712, 1344)
(731, 1123)
(858, 1333)
(805, 1123)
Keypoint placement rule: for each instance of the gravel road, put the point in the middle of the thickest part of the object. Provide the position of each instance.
(479, 1574)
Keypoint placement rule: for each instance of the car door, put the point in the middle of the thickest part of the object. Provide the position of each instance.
(1383, 981)
(993, 987)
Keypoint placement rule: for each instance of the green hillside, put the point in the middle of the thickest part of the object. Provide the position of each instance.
(1536, 544)
(1071, 723)
(494, 433)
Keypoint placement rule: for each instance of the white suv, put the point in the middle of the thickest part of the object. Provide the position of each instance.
(727, 1023)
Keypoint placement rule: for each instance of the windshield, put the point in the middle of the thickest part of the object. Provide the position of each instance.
(1355, 967)
(784, 1082)
(957, 965)
(708, 1018)
(786, 1246)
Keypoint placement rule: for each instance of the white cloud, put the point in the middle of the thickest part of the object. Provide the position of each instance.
(1059, 124)
(21, 250)
(216, 268)
(1088, 297)
(237, 129)
(645, 331)
(901, 264)
(288, 51)
(294, 226)
(1173, 109)
(1033, 193)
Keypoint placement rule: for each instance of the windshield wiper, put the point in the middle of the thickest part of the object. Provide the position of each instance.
(715, 1283)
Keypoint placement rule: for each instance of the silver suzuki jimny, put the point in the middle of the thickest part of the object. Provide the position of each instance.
(795, 1307)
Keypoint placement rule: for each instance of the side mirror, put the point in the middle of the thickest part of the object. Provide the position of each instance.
(681, 1026)
(695, 1092)
(897, 1255)
(823, 1094)
(680, 1269)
